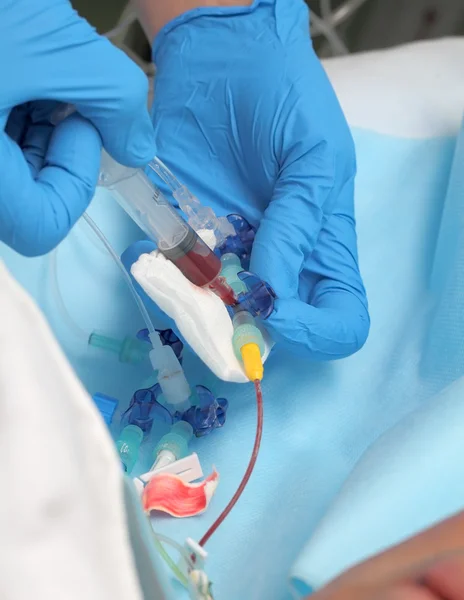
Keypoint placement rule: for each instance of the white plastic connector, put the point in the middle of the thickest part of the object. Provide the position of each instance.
(199, 586)
(195, 571)
(198, 552)
(188, 469)
(171, 377)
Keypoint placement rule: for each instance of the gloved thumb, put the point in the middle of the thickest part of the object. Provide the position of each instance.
(311, 262)
(100, 80)
(113, 95)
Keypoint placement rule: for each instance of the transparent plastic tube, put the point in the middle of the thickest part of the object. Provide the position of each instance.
(168, 560)
(60, 303)
(171, 376)
(158, 166)
(182, 551)
(125, 274)
(175, 238)
(199, 217)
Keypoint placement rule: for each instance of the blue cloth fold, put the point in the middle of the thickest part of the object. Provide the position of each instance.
(410, 478)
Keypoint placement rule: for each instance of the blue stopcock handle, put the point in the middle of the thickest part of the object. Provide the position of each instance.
(241, 243)
(209, 414)
(206, 415)
(260, 297)
(144, 408)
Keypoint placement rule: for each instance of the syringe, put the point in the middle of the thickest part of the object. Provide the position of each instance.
(147, 206)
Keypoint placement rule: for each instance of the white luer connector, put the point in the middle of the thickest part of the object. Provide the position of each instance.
(171, 377)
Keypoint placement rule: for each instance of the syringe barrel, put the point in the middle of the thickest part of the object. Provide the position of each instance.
(147, 206)
(144, 203)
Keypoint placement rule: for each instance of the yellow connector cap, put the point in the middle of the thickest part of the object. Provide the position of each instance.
(252, 362)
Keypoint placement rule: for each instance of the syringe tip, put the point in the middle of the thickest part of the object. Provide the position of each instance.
(222, 289)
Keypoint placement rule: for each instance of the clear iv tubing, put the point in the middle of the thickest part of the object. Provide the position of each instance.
(158, 539)
(158, 166)
(117, 260)
(61, 305)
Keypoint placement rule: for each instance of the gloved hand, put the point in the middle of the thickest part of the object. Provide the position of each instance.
(246, 117)
(48, 174)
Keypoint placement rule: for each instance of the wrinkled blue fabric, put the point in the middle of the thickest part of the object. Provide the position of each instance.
(48, 56)
(411, 478)
(245, 116)
(320, 418)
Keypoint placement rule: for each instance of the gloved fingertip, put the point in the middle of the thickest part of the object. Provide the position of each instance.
(142, 145)
(318, 333)
(137, 148)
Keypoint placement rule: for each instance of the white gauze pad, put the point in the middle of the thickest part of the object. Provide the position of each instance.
(199, 314)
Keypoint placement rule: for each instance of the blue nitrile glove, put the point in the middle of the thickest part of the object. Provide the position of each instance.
(48, 174)
(246, 117)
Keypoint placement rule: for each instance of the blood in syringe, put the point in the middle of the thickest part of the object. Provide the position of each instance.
(203, 268)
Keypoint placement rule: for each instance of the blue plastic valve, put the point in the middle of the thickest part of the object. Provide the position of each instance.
(144, 408)
(206, 414)
(258, 300)
(241, 243)
(253, 295)
(209, 414)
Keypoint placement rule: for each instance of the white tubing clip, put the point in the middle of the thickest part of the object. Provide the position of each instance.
(197, 552)
(188, 469)
(199, 584)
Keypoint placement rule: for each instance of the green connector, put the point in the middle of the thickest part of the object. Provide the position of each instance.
(128, 446)
(231, 267)
(176, 441)
(129, 350)
(246, 332)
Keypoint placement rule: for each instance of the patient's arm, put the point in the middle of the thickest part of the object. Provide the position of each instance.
(154, 14)
(429, 566)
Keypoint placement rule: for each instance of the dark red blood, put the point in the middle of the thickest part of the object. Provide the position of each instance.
(202, 267)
